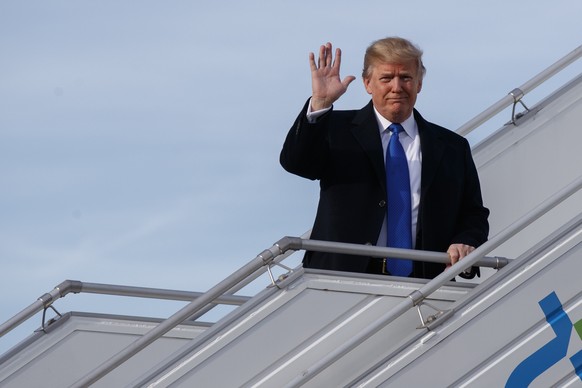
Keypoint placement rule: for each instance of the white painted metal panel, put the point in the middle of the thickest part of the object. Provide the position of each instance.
(301, 324)
(81, 342)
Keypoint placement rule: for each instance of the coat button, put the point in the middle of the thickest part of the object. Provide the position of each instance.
(382, 203)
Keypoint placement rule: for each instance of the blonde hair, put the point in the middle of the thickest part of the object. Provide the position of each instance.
(392, 49)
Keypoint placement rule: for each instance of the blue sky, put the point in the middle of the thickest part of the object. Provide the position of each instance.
(139, 141)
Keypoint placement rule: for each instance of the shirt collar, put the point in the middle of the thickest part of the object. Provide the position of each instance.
(409, 125)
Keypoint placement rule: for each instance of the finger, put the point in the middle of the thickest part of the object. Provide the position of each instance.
(338, 59)
(465, 250)
(321, 59)
(312, 64)
(454, 254)
(328, 56)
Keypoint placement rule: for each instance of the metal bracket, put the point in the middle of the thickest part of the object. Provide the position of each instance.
(431, 318)
(45, 324)
(274, 283)
(517, 95)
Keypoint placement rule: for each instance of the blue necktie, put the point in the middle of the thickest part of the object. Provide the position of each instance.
(399, 209)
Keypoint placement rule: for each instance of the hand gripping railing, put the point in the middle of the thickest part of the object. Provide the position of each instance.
(516, 94)
(267, 257)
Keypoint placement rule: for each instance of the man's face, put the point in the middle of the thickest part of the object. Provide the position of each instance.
(394, 87)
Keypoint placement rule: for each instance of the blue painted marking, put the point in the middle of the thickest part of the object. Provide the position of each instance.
(550, 353)
(576, 360)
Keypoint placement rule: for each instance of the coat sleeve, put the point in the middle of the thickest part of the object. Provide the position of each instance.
(305, 148)
(472, 225)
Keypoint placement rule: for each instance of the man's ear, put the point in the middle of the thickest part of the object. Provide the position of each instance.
(367, 85)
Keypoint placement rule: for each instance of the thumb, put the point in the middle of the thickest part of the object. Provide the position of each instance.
(348, 80)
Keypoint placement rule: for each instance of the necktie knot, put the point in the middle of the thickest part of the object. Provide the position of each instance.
(396, 128)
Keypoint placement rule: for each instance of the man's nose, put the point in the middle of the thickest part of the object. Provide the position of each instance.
(396, 84)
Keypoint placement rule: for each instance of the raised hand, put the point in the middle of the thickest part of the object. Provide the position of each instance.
(326, 84)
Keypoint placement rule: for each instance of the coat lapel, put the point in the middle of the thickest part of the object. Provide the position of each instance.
(365, 130)
(432, 148)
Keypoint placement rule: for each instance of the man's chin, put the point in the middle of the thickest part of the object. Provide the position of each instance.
(399, 115)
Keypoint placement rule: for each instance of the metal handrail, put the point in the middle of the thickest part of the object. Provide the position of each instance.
(376, 251)
(267, 257)
(157, 293)
(76, 287)
(516, 94)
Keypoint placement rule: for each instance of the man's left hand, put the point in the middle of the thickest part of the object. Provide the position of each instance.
(458, 251)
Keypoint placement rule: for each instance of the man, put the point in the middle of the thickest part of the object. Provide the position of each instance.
(346, 150)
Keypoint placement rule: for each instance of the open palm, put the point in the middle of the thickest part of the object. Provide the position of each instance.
(327, 86)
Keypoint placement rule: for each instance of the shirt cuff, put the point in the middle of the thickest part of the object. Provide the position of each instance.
(312, 116)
